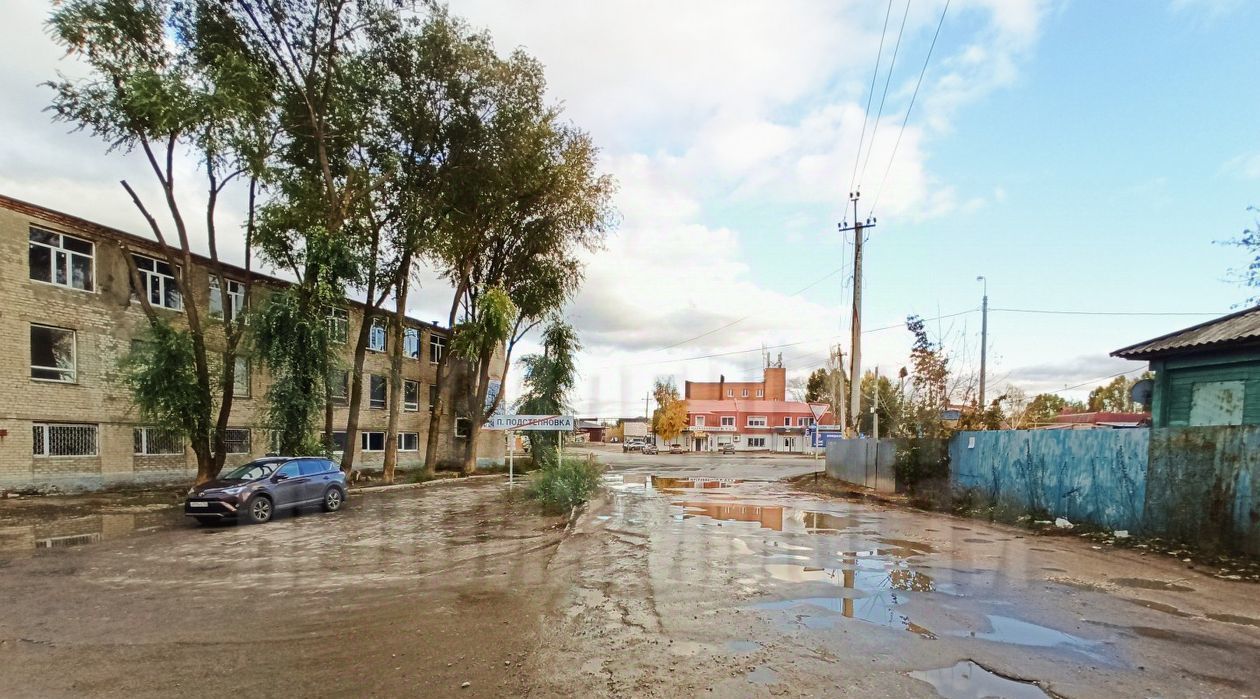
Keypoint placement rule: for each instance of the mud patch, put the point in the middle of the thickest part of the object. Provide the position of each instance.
(1147, 584)
(1234, 619)
(762, 675)
(968, 679)
(978, 541)
(743, 646)
(1161, 607)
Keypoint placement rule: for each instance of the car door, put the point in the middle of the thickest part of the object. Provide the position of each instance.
(288, 485)
(319, 474)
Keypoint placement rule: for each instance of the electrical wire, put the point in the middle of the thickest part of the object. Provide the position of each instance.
(910, 108)
(1102, 313)
(887, 81)
(870, 96)
(1094, 381)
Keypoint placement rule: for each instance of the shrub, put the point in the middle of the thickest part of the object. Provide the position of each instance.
(560, 487)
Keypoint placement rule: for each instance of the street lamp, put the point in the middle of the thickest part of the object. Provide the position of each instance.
(984, 334)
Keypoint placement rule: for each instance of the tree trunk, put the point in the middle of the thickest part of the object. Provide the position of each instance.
(439, 406)
(356, 393)
(476, 411)
(396, 387)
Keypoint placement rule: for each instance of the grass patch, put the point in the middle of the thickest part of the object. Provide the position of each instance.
(561, 487)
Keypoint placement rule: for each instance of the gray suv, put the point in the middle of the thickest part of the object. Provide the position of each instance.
(256, 491)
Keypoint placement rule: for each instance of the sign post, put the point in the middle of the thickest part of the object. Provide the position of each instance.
(818, 411)
(529, 423)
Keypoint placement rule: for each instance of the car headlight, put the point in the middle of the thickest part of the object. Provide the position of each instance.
(192, 492)
(235, 490)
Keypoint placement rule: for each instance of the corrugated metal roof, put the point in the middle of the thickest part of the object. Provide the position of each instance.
(1240, 327)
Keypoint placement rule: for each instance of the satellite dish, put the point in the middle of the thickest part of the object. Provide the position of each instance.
(1142, 391)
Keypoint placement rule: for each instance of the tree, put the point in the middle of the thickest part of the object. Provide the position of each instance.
(929, 384)
(549, 378)
(889, 405)
(670, 417)
(1249, 241)
(168, 78)
(1115, 396)
(1044, 407)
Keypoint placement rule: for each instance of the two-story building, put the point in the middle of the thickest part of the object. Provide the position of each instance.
(69, 315)
(748, 425)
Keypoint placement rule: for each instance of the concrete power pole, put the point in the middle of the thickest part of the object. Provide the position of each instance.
(855, 357)
(875, 409)
(984, 336)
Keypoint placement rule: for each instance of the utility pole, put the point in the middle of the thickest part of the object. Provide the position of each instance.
(855, 357)
(984, 336)
(837, 384)
(875, 409)
(646, 398)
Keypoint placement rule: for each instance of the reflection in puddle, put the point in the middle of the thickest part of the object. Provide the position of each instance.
(827, 523)
(762, 675)
(743, 646)
(1022, 633)
(970, 680)
(60, 532)
(767, 516)
(666, 484)
(1144, 584)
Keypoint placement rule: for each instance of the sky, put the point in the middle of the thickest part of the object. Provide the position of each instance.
(1084, 157)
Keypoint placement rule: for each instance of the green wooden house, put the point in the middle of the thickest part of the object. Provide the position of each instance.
(1208, 374)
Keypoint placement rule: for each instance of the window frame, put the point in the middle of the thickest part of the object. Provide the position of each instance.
(402, 441)
(338, 320)
(743, 393)
(699, 421)
(236, 377)
(372, 400)
(433, 396)
(249, 440)
(74, 356)
(438, 343)
(365, 441)
(412, 406)
(761, 393)
(47, 440)
(52, 259)
(411, 336)
(723, 421)
(730, 393)
(143, 433)
(168, 282)
(465, 424)
(756, 442)
(787, 421)
(236, 298)
(757, 421)
(343, 398)
(378, 326)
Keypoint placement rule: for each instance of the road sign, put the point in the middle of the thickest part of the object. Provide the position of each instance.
(818, 411)
(531, 423)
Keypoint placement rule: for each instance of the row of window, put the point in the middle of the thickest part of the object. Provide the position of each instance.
(756, 421)
(730, 393)
(378, 391)
(61, 439)
(64, 260)
(375, 441)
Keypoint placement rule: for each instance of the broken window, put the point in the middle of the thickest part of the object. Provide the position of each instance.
(376, 392)
(159, 282)
(61, 259)
(53, 354)
(411, 395)
(376, 336)
(411, 343)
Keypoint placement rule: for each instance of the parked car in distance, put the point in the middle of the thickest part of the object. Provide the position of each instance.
(648, 448)
(256, 491)
(675, 449)
(633, 445)
(727, 448)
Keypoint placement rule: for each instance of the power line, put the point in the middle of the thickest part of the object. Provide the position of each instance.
(1094, 381)
(1103, 313)
(870, 96)
(887, 81)
(914, 96)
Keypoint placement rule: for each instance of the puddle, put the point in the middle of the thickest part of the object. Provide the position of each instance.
(1146, 584)
(1160, 607)
(872, 608)
(767, 516)
(762, 675)
(666, 484)
(971, 680)
(1012, 631)
(828, 523)
(978, 541)
(743, 646)
(1234, 619)
(915, 547)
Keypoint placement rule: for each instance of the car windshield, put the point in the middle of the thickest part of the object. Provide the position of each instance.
(251, 471)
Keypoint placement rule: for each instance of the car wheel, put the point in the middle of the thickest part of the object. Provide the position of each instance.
(259, 510)
(333, 499)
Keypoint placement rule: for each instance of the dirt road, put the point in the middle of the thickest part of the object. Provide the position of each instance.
(692, 576)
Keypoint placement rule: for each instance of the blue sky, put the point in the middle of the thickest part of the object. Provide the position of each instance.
(1083, 156)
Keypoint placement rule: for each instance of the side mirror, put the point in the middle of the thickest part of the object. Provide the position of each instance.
(279, 477)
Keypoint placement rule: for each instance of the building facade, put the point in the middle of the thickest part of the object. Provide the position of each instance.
(69, 315)
(773, 386)
(747, 425)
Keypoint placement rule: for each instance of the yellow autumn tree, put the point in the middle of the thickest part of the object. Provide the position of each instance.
(670, 416)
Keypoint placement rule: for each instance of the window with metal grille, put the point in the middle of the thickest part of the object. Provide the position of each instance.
(338, 325)
(61, 259)
(372, 441)
(411, 343)
(51, 439)
(437, 347)
(235, 298)
(159, 282)
(376, 392)
(411, 395)
(376, 336)
(339, 386)
(236, 440)
(157, 440)
(408, 441)
(240, 378)
(53, 354)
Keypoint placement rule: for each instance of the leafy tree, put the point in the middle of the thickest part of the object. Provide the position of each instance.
(670, 417)
(929, 384)
(1115, 396)
(890, 409)
(1249, 241)
(549, 378)
(166, 78)
(1044, 407)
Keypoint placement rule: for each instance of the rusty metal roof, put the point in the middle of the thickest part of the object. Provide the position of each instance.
(1235, 328)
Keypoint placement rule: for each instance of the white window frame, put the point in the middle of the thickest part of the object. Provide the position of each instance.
(338, 320)
(757, 421)
(364, 440)
(787, 421)
(47, 440)
(402, 441)
(411, 340)
(730, 393)
(463, 427)
(66, 262)
(800, 421)
(249, 440)
(143, 432)
(756, 442)
(728, 420)
(411, 406)
(377, 336)
(699, 421)
(73, 371)
(165, 282)
(761, 393)
(743, 393)
(437, 347)
(384, 401)
(235, 295)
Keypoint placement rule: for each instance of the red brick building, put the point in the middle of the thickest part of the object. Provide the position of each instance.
(748, 425)
(773, 386)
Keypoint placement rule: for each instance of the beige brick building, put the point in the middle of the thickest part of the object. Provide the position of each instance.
(68, 315)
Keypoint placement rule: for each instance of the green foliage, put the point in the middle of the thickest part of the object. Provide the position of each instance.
(549, 378)
(291, 335)
(890, 409)
(160, 373)
(493, 323)
(1115, 396)
(918, 461)
(559, 487)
